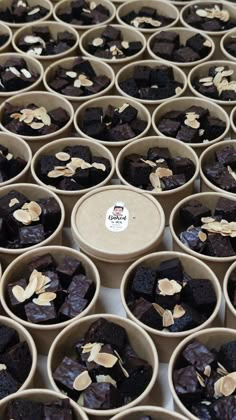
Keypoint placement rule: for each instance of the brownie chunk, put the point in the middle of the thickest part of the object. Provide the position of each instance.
(9, 338)
(187, 385)
(198, 355)
(65, 375)
(107, 332)
(19, 409)
(144, 282)
(145, 311)
(193, 212)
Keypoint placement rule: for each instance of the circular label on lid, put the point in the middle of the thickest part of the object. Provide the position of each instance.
(117, 217)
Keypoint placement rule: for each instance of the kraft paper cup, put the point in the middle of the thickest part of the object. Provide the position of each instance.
(127, 71)
(212, 338)
(5, 30)
(32, 192)
(54, 28)
(128, 33)
(69, 198)
(208, 156)
(49, 101)
(219, 265)
(223, 43)
(165, 341)
(43, 3)
(233, 121)
(181, 104)
(230, 310)
(139, 340)
(113, 146)
(23, 336)
(167, 199)
(41, 395)
(100, 68)
(19, 148)
(45, 334)
(61, 5)
(156, 413)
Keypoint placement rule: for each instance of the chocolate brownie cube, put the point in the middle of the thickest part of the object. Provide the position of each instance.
(18, 361)
(38, 314)
(46, 164)
(201, 294)
(68, 268)
(60, 409)
(84, 66)
(186, 55)
(121, 132)
(219, 246)
(227, 156)
(191, 239)
(135, 384)
(142, 75)
(196, 42)
(107, 332)
(59, 115)
(226, 209)
(9, 337)
(132, 361)
(18, 409)
(8, 385)
(182, 165)
(128, 114)
(138, 126)
(65, 375)
(130, 87)
(147, 11)
(161, 76)
(102, 396)
(111, 33)
(189, 320)
(187, 134)
(171, 269)
(227, 356)
(214, 128)
(72, 306)
(51, 213)
(156, 153)
(82, 152)
(5, 208)
(145, 312)
(98, 175)
(198, 355)
(83, 286)
(136, 171)
(54, 286)
(144, 282)
(201, 411)
(210, 91)
(168, 36)
(168, 127)
(173, 181)
(192, 213)
(212, 25)
(224, 408)
(16, 306)
(92, 114)
(187, 385)
(42, 263)
(164, 50)
(31, 235)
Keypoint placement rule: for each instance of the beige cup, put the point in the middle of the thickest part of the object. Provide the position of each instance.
(201, 71)
(32, 192)
(128, 34)
(223, 43)
(157, 413)
(32, 3)
(118, 101)
(233, 121)
(41, 395)
(219, 265)
(100, 68)
(5, 30)
(45, 334)
(212, 338)
(127, 72)
(208, 156)
(69, 198)
(167, 199)
(61, 5)
(181, 104)
(230, 310)
(112, 247)
(184, 35)
(54, 28)
(23, 336)
(139, 340)
(48, 100)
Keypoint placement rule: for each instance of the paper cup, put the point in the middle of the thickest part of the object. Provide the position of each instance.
(69, 198)
(5, 30)
(112, 247)
(41, 395)
(233, 120)
(113, 146)
(219, 265)
(45, 334)
(100, 68)
(181, 104)
(23, 336)
(127, 72)
(138, 338)
(223, 44)
(208, 156)
(157, 413)
(128, 33)
(32, 192)
(48, 100)
(54, 28)
(212, 338)
(167, 199)
(32, 3)
(230, 310)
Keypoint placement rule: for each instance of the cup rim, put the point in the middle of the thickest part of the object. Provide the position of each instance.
(163, 194)
(60, 325)
(200, 102)
(231, 117)
(222, 45)
(113, 318)
(110, 61)
(111, 98)
(205, 258)
(154, 409)
(78, 140)
(6, 29)
(49, 24)
(47, 4)
(58, 63)
(229, 304)
(177, 63)
(155, 63)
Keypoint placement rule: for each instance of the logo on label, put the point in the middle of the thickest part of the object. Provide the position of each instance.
(117, 217)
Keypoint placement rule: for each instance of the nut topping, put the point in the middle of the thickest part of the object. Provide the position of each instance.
(62, 156)
(2, 367)
(18, 293)
(225, 386)
(179, 311)
(169, 287)
(13, 201)
(94, 351)
(82, 381)
(107, 379)
(202, 236)
(158, 308)
(167, 318)
(105, 359)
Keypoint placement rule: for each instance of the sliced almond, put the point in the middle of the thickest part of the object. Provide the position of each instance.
(13, 201)
(125, 44)
(155, 181)
(62, 156)
(125, 372)
(207, 43)
(178, 90)
(200, 380)
(149, 162)
(207, 219)
(169, 287)
(217, 79)
(36, 126)
(219, 69)
(22, 216)
(227, 73)
(94, 351)
(40, 303)
(18, 293)
(9, 156)
(202, 236)
(225, 386)
(207, 79)
(158, 308)
(71, 74)
(207, 371)
(221, 369)
(55, 173)
(82, 381)
(99, 166)
(92, 5)
(97, 42)
(167, 319)
(31, 288)
(34, 207)
(46, 119)
(161, 172)
(122, 108)
(201, 12)
(178, 312)
(105, 359)
(193, 124)
(80, 401)
(47, 297)
(107, 379)
(2, 367)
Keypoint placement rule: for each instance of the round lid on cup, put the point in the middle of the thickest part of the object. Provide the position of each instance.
(117, 223)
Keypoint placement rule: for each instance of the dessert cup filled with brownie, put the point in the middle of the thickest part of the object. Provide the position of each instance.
(162, 167)
(79, 78)
(115, 45)
(228, 45)
(193, 121)
(105, 223)
(84, 14)
(183, 47)
(38, 117)
(40, 403)
(201, 375)
(147, 18)
(148, 412)
(229, 289)
(113, 121)
(30, 216)
(218, 166)
(18, 356)
(116, 358)
(15, 159)
(170, 295)
(151, 82)
(5, 37)
(49, 288)
(203, 225)
(71, 167)
(15, 13)
(47, 41)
